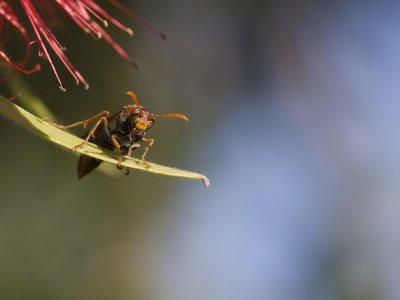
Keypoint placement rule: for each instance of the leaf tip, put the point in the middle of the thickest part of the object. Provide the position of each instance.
(205, 181)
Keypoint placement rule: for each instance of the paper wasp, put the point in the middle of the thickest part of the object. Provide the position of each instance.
(121, 132)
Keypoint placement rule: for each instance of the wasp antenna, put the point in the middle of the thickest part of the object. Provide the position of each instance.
(134, 98)
(179, 116)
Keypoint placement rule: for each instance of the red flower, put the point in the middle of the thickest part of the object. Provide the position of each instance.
(84, 13)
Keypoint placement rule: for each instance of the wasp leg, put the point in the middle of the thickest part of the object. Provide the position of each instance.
(91, 132)
(105, 114)
(117, 148)
(132, 147)
(150, 143)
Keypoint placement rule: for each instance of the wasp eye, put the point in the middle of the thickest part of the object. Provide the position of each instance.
(150, 123)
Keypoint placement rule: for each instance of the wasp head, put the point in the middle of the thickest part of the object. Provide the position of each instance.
(141, 120)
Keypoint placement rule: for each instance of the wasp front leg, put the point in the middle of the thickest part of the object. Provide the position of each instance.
(132, 147)
(150, 143)
(129, 153)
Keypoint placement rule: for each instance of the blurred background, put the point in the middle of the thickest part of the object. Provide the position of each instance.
(293, 109)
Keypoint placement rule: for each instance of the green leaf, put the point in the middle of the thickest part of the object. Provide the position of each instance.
(67, 140)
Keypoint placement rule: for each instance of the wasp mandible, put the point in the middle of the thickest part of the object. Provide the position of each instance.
(121, 132)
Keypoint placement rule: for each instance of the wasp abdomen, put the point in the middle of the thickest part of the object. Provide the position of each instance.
(87, 164)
